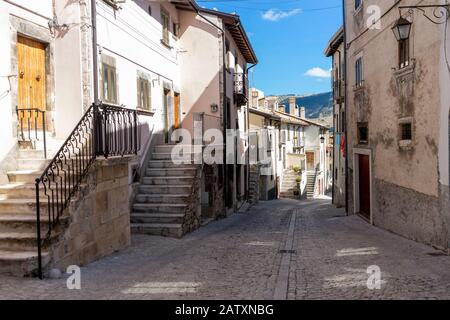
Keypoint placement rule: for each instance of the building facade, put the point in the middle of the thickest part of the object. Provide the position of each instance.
(335, 50)
(142, 69)
(398, 117)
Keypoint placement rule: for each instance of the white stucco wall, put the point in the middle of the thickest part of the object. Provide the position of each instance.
(133, 38)
(6, 114)
(68, 71)
(200, 68)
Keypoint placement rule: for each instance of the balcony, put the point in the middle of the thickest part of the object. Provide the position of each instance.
(338, 90)
(240, 88)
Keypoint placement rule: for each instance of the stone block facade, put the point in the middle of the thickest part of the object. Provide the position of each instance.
(99, 217)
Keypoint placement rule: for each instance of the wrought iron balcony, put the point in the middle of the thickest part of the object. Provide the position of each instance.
(240, 88)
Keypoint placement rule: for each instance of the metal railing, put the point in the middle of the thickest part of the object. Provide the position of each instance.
(31, 126)
(103, 130)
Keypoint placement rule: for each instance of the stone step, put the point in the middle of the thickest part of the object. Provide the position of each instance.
(168, 156)
(162, 198)
(165, 218)
(165, 189)
(21, 206)
(32, 164)
(184, 180)
(158, 229)
(18, 241)
(167, 148)
(162, 172)
(159, 207)
(168, 164)
(20, 263)
(27, 223)
(19, 190)
(26, 176)
(31, 154)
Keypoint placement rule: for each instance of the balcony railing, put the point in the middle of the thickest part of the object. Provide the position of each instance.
(338, 89)
(241, 87)
(103, 130)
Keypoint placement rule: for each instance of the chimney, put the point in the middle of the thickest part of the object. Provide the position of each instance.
(292, 105)
(302, 112)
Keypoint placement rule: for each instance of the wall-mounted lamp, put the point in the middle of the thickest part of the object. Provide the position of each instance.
(214, 108)
(322, 139)
(402, 29)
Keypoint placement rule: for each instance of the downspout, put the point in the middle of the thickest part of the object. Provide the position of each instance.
(335, 125)
(248, 135)
(225, 118)
(334, 145)
(94, 49)
(345, 107)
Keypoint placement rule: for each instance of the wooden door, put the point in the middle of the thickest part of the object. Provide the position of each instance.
(176, 111)
(31, 80)
(310, 161)
(364, 186)
(166, 115)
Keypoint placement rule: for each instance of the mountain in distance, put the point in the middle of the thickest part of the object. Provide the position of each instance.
(316, 105)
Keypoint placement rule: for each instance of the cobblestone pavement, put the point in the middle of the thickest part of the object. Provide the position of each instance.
(239, 258)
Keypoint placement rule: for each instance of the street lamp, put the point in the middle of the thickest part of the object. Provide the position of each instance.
(402, 29)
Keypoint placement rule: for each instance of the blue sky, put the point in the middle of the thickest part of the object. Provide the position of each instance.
(289, 37)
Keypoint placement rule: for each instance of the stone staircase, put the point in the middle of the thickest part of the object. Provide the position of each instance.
(289, 184)
(18, 245)
(163, 203)
(310, 184)
(253, 188)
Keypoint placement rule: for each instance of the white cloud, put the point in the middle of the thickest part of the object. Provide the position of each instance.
(275, 14)
(318, 73)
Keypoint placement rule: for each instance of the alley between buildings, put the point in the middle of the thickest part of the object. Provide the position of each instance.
(283, 249)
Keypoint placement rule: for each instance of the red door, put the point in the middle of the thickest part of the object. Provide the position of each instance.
(364, 186)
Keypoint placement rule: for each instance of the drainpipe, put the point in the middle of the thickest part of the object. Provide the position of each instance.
(248, 136)
(345, 107)
(225, 118)
(335, 125)
(334, 144)
(94, 49)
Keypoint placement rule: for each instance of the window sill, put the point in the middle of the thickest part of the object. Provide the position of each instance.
(144, 112)
(405, 145)
(358, 88)
(166, 44)
(400, 72)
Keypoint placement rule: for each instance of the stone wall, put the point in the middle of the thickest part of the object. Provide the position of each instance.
(409, 213)
(254, 188)
(99, 222)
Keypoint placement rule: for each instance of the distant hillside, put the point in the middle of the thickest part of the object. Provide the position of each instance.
(316, 105)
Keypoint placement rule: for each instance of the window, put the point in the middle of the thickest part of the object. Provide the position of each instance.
(358, 73)
(227, 54)
(363, 133)
(165, 21)
(109, 80)
(143, 93)
(357, 4)
(236, 62)
(403, 53)
(176, 29)
(288, 133)
(406, 131)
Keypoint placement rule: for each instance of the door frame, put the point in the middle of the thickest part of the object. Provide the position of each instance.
(356, 203)
(313, 152)
(27, 29)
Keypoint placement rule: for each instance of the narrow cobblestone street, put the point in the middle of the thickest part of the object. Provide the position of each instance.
(277, 250)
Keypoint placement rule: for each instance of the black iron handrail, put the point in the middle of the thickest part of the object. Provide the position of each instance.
(29, 120)
(104, 130)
